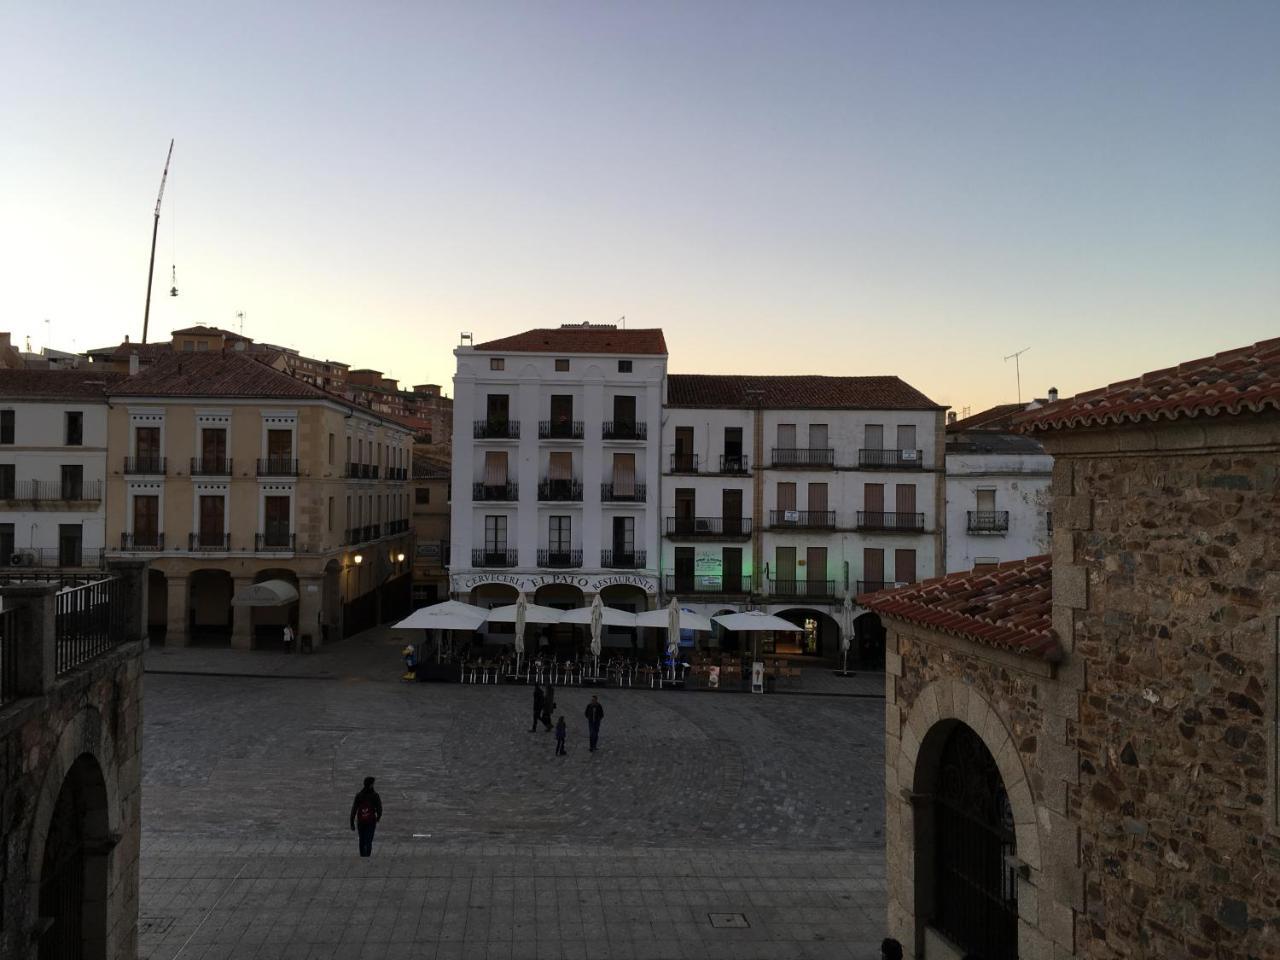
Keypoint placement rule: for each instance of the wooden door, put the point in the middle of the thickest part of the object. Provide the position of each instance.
(872, 568)
(731, 512)
(906, 505)
(904, 563)
(731, 569)
(211, 520)
(146, 520)
(815, 568)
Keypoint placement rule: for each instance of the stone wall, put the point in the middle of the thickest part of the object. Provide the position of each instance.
(1167, 582)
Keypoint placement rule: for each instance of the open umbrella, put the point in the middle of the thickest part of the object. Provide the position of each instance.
(612, 618)
(755, 621)
(846, 628)
(449, 615)
(661, 618)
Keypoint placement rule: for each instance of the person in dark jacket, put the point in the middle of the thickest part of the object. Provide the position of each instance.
(548, 705)
(890, 949)
(366, 811)
(561, 732)
(594, 713)
(539, 700)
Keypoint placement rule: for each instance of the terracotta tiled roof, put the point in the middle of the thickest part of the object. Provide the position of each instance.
(1245, 380)
(1008, 607)
(145, 351)
(999, 417)
(579, 339)
(216, 373)
(83, 384)
(203, 331)
(794, 393)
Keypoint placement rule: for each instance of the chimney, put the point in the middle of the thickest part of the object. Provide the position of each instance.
(133, 364)
(951, 417)
(1053, 394)
(126, 338)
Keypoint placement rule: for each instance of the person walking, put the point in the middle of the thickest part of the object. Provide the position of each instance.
(539, 699)
(561, 732)
(594, 714)
(548, 706)
(366, 811)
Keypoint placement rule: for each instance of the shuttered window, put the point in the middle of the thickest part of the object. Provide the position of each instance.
(624, 474)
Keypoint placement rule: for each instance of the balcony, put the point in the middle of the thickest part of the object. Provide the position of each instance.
(373, 471)
(622, 559)
(142, 541)
(559, 429)
(688, 584)
(891, 522)
(802, 519)
(560, 559)
(396, 527)
(803, 589)
(560, 491)
(624, 430)
(891, 459)
(275, 542)
(735, 464)
(210, 467)
(709, 528)
(804, 458)
(148, 465)
(52, 558)
(208, 542)
(621, 493)
(684, 463)
(497, 430)
(495, 492)
(372, 531)
(53, 491)
(994, 522)
(493, 558)
(397, 474)
(277, 467)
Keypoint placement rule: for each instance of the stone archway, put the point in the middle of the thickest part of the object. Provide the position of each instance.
(560, 638)
(627, 639)
(821, 636)
(867, 642)
(267, 623)
(209, 609)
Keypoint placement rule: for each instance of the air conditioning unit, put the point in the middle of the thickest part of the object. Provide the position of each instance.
(24, 559)
(909, 454)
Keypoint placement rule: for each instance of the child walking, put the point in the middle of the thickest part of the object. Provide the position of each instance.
(561, 731)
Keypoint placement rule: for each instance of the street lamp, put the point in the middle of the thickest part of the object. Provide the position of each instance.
(400, 557)
(358, 558)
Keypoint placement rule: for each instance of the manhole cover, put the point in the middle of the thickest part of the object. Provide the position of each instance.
(153, 925)
(725, 921)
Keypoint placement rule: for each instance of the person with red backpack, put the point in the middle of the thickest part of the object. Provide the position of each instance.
(366, 811)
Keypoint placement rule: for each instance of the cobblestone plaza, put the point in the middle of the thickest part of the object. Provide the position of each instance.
(767, 810)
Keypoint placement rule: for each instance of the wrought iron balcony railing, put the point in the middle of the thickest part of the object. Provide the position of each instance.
(684, 463)
(803, 519)
(811, 458)
(396, 527)
(560, 558)
(622, 560)
(619, 493)
(149, 465)
(988, 521)
(210, 467)
(710, 528)
(679, 583)
(275, 542)
(497, 430)
(277, 467)
(493, 558)
(624, 430)
(735, 464)
(560, 490)
(492, 492)
(892, 521)
(559, 429)
(49, 491)
(803, 589)
(142, 541)
(208, 542)
(891, 459)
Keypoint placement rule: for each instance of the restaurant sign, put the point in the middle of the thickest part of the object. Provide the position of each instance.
(529, 582)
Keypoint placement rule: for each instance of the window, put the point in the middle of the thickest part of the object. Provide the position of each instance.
(817, 436)
(986, 500)
(280, 448)
(70, 541)
(561, 534)
(872, 569)
(624, 366)
(495, 535)
(72, 482)
(331, 449)
(147, 444)
(6, 542)
(188, 346)
(146, 521)
(75, 428)
(497, 409)
(422, 495)
(497, 363)
(561, 410)
(562, 365)
(212, 520)
(873, 436)
(904, 566)
(907, 436)
(331, 504)
(7, 481)
(786, 436)
(624, 537)
(275, 512)
(6, 426)
(624, 475)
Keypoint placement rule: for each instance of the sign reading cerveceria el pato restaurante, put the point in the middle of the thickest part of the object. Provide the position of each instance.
(529, 582)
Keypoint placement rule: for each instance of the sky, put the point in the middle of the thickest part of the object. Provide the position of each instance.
(848, 188)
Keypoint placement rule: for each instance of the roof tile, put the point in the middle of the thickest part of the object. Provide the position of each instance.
(81, 384)
(581, 339)
(794, 392)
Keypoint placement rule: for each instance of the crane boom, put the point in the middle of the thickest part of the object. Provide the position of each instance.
(155, 229)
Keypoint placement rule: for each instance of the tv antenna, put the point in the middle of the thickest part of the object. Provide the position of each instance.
(623, 320)
(240, 320)
(1017, 367)
(155, 229)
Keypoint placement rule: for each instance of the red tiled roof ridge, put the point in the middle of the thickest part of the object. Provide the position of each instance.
(1242, 380)
(49, 384)
(580, 339)
(795, 391)
(1008, 606)
(996, 414)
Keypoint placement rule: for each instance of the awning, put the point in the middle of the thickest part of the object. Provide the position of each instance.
(612, 617)
(533, 614)
(449, 615)
(755, 620)
(659, 618)
(268, 593)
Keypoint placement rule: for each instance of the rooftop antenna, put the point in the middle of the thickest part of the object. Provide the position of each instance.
(1017, 366)
(48, 324)
(240, 320)
(623, 320)
(155, 229)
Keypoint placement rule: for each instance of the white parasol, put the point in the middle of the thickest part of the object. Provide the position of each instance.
(449, 615)
(612, 618)
(660, 618)
(755, 621)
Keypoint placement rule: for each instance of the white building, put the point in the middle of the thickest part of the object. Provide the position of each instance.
(556, 467)
(787, 493)
(53, 456)
(997, 490)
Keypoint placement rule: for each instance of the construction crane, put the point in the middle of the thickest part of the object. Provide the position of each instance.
(155, 229)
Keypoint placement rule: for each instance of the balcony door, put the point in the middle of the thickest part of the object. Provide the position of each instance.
(495, 539)
(786, 436)
(686, 510)
(147, 444)
(682, 459)
(817, 436)
(6, 542)
(624, 476)
(815, 567)
(495, 473)
(986, 501)
(624, 413)
(275, 512)
(872, 568)
(560, 539)
(907, 437)
(497, 411)
(873, 437)
(817, 503)
(684, 569)
(787, 503)
(561, 413)
(146, 520)
(8, 481)
(560, 474)
(784, 573)
(72, 482)
(70, 544)
(873, 502)
(731, 569)
(212, 520)
(904, 563)
(213, 447)
(906, 504)
(731, 512)
(624, 539)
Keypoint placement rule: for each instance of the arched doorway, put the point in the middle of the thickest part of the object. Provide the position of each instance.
(561, 637)
(821, 636)
(210, 607)
(267, 623)
(868, 642)
(720, 637)
(490, 595)
(73, 870)
(974, 895)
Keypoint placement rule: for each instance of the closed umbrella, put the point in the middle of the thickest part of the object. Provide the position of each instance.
(673, 633)
(846, 628)
(522, 616)
(597, 627)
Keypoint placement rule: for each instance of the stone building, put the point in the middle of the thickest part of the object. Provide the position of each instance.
(70, 771)
(1082, 749)
(430, 526)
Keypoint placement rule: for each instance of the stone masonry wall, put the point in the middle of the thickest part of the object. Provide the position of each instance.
(1167, 581)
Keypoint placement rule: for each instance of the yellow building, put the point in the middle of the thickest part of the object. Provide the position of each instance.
(259, 499)
(431, 471)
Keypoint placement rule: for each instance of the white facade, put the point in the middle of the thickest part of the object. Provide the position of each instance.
(997, 499)
(559, 503)
(52, 489)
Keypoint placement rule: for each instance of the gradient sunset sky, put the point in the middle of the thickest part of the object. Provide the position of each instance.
(845, 188)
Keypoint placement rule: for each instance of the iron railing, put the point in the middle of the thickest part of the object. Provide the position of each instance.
(197, 542)
(988, 521)
(53, 558)
(88, 622)
(713, 528)
(624, 430)
(151, 465)
(679, 583)
(53, 490)
(8, 656)
(497, 430)
(494, 558)
(735, 464)
(373, 531)
(881, 520)
(354, 535)
(275, 542)
(622, 559)
(559, 429)
(396, 527)
(873, 586)
(560, 490)
(803, 519)
(142, 541)
(610, 493)
(277, 467)
(808, 457)
(803, 589)
(891, 459)
(684, 463)
(210, 467)
(495, 492)
(560, 558)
